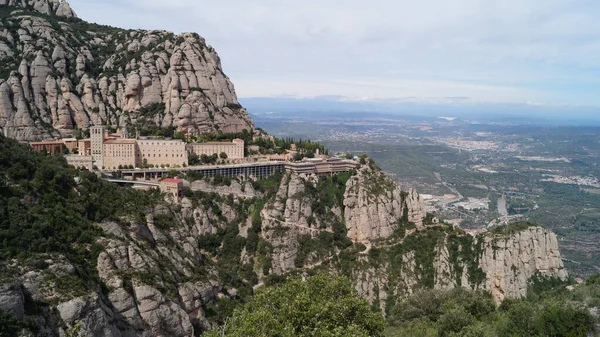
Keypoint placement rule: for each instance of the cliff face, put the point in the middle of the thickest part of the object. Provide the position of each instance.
(373, 204)
(156, 280)
(510, 261)
(58, 73)
(58, 8)
(501, 264)
(168, 273)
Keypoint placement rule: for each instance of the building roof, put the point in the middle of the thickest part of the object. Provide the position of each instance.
(172, 180)
(216, 143)
(120, 141)
(159, 139)
(46, 142)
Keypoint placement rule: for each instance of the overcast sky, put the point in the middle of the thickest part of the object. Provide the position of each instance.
(518, 51)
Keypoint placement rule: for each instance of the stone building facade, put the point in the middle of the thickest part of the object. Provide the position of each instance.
(233, 149)
(79, 161)
(114, 151)
(159, 152)
(97, 145)
(172, 187)
(52, 147)
(120, 153)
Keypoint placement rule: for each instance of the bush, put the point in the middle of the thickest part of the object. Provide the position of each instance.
(461, 312)
(321, 306)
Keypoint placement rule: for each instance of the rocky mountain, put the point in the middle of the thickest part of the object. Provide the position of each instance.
(173, 268)
(59, 73)
(82, 257)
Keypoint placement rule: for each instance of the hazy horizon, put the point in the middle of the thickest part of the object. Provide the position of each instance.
(534, 52)
(338, 107)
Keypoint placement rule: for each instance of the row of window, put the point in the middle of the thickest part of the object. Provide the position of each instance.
(166, 156)
(162, 143)
(159, 150)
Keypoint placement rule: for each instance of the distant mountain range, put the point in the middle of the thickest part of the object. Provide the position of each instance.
(338, 106)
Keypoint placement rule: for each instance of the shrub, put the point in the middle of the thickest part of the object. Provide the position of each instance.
(321, 306)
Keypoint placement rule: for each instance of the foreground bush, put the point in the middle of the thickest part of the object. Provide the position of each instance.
(321, 306)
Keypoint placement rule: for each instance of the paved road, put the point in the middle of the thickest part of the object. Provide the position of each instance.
(454, 190)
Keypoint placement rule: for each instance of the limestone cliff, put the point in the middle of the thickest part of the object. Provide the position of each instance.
(171, 268)
(156, 280)
(510, 261)
(59, 8)
(443, 258)
(374, 203)
(59, 73)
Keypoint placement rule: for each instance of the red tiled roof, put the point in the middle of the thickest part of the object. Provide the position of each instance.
(171, 180)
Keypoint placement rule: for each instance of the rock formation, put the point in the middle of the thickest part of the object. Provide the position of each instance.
(374, 203)
(161, 273)
(501, 264)
(510, 261)
(162, 270)
(60, 8)
(58, 73)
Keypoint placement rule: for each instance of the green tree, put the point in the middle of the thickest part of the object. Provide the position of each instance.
(416, 328)
(179, 135)
(223, 155)
(321, 306)
(193, 159)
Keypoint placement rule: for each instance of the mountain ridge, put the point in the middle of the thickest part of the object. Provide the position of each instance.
(84, 257)
(121, 262)
(60, 73)
(59, 8)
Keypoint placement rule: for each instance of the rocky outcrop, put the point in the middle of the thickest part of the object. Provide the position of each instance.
(155, 284)
(288, 216)
(162, 272)
(55, 281)
(60, 8)
(238, 188)
(57, 76)
(374, 204)
(510, 261)
(12, 299)
(502, 264)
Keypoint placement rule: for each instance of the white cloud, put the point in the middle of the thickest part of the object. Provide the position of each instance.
(537, 50)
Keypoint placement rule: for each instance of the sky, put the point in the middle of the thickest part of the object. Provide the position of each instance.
(535, 52)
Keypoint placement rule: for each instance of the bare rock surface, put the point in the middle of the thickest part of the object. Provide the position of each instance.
(509, 262)
(57, 76)
(161, 272)
(374, 204)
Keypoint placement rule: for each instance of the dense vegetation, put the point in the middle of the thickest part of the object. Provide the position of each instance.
(40, 210)
(548, 310)
(45, 213)
(321, 306)
(44, 210)
(328, 306)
